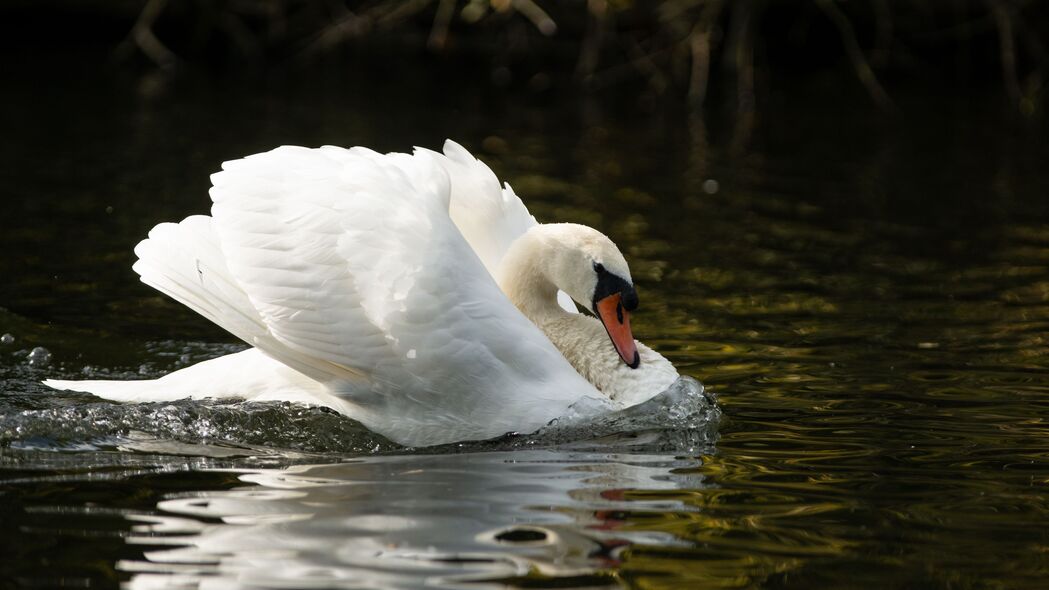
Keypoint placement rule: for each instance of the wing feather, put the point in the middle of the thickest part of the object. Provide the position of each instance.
(352, 258)
(371, 274)
(489, 217)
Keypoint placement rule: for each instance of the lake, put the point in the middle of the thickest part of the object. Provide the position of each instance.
(866, 295)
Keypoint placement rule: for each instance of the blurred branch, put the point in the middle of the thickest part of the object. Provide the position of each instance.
(401, 11)
(742, 60)
(351, 25)
(439, 31)
(593, 39)
(537, 15)
(852, 49)
(1003, 21)
(669, 44)
(142, 37)
(347, 26)
(700, 41)
(644, 63)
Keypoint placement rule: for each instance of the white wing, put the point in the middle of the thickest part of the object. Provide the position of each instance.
(346, 266)
(185, 261)
(354, 266)
(489, 217)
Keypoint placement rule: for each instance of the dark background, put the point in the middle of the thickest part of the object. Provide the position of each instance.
(685, 50)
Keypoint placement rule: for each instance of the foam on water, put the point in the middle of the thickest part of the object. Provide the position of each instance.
(105, 425)
(683, 418)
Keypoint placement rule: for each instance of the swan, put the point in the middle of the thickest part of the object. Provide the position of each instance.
(410, 292)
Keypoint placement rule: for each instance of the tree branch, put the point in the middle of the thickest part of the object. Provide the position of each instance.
(855, 54)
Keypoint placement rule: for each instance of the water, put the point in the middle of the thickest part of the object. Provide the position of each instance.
(868, 298)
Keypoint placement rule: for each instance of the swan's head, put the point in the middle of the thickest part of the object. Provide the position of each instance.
(586, 264)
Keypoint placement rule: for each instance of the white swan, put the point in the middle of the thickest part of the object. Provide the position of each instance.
(407, 291)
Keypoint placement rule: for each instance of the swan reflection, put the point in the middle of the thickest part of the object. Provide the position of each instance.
(410, 521)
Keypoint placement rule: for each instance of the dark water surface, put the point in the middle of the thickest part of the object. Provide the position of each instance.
(868, 295)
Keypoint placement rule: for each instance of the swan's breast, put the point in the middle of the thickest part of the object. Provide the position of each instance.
(583, 341)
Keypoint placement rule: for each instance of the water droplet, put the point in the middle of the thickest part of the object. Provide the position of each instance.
(39, 357)
(710, 186)
(7, 339)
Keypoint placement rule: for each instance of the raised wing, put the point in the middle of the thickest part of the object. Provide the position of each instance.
(186, 262)
(490, 217)
(352, 262)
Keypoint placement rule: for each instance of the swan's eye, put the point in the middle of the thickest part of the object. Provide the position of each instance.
(599, 268)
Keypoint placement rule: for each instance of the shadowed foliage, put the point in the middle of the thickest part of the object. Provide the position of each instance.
(682, 48)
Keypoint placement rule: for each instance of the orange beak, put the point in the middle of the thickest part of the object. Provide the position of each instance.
(617, 323)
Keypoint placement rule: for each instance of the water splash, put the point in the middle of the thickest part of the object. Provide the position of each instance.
(248, 426)
(39, 357)
(682, 419)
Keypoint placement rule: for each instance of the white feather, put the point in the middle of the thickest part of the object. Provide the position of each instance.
(348, 267)
(489, 217)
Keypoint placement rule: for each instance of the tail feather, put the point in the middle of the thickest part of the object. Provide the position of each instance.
(123, 391)
(249, 374)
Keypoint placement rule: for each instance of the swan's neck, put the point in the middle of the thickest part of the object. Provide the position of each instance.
(523, 277)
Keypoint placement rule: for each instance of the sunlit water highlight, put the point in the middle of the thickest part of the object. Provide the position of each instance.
(387, 522)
